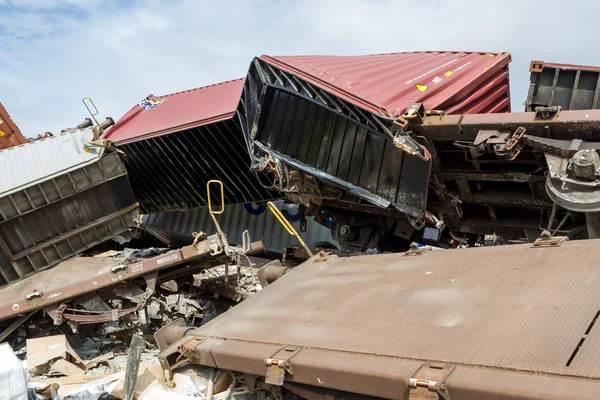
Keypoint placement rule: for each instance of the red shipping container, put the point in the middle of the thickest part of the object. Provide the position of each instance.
(10, 135)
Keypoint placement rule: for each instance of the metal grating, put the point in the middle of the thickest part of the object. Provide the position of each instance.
(515, 307)
(169, 172)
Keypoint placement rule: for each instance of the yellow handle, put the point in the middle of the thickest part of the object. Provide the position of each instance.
(210, 210)
(288, 226)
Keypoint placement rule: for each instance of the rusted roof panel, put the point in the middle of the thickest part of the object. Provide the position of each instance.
(386, 84)
(179, 111)
(10, 134)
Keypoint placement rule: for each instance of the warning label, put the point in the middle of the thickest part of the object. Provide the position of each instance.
(431, 71)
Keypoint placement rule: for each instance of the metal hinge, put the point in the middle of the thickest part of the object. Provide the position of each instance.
(415, 250)
(278, 364)
(547, 240)
(429, 382)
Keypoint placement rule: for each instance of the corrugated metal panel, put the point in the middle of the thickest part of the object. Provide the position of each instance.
(10, 134)
(386, 84)
(37, 161)
(328, 120)
(237, 219)
(573, 87)
(174, 149)
(63, 214)
(179, 111)
(344, 149)
(170, 172)
(325, 146)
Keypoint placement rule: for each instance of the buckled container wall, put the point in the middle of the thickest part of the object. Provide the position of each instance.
(64, 196)
(572, 87)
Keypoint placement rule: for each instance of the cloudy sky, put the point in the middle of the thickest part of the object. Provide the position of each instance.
(54, 52)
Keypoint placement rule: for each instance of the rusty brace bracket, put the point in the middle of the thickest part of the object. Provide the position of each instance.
(415, 250)
(150, 289)
(278, 364)
(176, 355)
(429, 382)
(547, 240)
(513, 146)
(547, 112)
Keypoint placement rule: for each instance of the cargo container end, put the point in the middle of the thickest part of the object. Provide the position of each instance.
(182, 141)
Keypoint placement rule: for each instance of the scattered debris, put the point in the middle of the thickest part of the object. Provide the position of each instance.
(101, 359)
(85, 325)
(52, 356)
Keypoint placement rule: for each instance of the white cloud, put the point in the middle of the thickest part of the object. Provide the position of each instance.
(56, 52)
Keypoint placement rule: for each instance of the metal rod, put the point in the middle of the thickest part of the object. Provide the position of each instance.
(564, 125)
(552, 216)
(225, 395)
(288, 226)
(560, 225)
(14, 326)
(592, 220)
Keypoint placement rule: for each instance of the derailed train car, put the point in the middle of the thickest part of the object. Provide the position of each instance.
(326, 130)
(387, 149)
(153, 286)
(501, 322)
(63, 195)
(94, 290)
